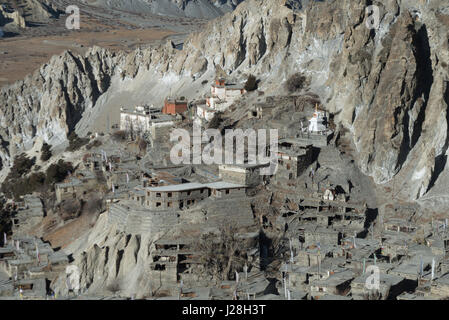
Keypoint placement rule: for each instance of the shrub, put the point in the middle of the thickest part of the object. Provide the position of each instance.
(45, 152)
(36, 180)
(16, 187)
(216, 121)
(58, 172)
(22, 165)
(75, 142)
(296, 82)
(251, 83)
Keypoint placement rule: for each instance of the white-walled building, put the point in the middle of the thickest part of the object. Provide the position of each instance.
(221, 97)
(143, 119)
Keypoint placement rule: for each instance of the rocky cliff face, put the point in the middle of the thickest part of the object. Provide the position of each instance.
(50, 102)
(109, 261)
(203, 9)
(387, 85)
(16, 14)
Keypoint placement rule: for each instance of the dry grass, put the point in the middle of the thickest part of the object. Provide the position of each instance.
(27, 53)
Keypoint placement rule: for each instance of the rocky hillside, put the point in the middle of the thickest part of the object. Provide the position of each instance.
(387, 85)
(51, 101)
(20, 13)
(204, 9)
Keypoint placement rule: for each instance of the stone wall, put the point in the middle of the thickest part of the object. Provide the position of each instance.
(134, 220)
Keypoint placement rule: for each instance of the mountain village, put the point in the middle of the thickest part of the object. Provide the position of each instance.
(323, 242)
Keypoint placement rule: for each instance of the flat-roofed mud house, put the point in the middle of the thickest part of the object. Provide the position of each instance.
(74, 187)
(245, 174)
(261, 110)
(172, 260)
(179, 196)
(440, 287)
(93, 161)
(399, 225)
(222, 189)
(174, 106)
(293, 159)
(29, 213)
(314, 235)
(175, 196)
(337, 284)
(390, 286)
(68, 190)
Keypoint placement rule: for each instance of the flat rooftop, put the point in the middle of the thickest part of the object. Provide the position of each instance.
(178, 187)
(195, 186)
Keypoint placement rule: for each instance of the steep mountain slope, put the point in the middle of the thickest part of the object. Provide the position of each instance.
(387, 85)
(205, 9)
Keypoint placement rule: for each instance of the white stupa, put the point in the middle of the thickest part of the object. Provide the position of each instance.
(316, 123)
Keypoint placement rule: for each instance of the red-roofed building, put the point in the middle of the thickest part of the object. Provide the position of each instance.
(174, 106)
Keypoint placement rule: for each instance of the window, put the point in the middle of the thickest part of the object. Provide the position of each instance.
(169, 204)
(158, 194)
(227, 191)
(169, 194)
(158, 204)
(188, 193)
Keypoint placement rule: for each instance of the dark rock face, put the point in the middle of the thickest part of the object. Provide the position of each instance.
(385, 130)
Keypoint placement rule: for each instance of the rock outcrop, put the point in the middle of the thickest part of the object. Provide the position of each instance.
(49, 103)
(16, 14)
(13, 17)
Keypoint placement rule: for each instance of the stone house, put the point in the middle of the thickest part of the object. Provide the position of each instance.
(245, 174)
(293, 159)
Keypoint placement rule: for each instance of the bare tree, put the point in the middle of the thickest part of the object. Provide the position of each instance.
(223, 254)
